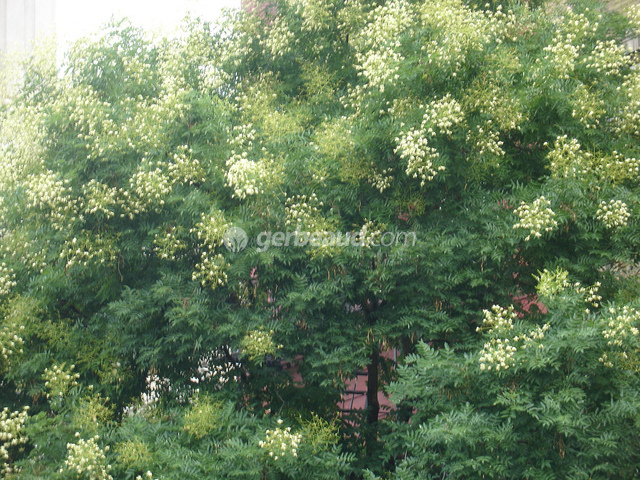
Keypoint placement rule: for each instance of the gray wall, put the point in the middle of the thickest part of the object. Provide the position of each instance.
(621, 5)
(21, 21)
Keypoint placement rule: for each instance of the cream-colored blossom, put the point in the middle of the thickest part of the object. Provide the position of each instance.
(280, 443)
(258, 343)
(553, 283)
(12, 437)
(59, 380)
(621, 323)
(87, 458)
(567, 160)
(628, 120)
(613, 214)
(7, 279)
(536, 217)
(413, 146)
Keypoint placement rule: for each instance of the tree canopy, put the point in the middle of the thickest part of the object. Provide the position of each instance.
(204, 237)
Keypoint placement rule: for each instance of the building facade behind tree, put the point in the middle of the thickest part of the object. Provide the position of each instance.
(22, 21)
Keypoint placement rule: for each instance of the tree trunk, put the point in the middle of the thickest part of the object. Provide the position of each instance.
(373, 406)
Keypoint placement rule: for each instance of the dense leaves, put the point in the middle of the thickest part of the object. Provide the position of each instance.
(204, 238)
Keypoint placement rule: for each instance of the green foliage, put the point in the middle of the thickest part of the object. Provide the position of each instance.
(202, 417)
(564, 406)
(454, 181)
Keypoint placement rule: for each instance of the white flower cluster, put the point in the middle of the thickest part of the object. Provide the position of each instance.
(354, 99)
(130, 205)
(605, 360)
(58, 381)
(369, 234)
(562, 55)
(11, 437)
(258, 343)
(46, 192)
(242, 136)
(377, 56)
(169, 245)
(486, 140)
(33, 255)
(380, 66)
(573, 29)
(315, 13)
(607, 58)
(566, 160)
(184, 168)
(87, 458)
(497, 354)
(210, 270)
(414, 147)
(303, 212)
(190, 50)
(137, 69)
(442, 114)
(587, 107)
(156, 386)
(279, 40)
(148, 476)
(7, 279)
(494, 102)
(210, 230)
(212, 78)
(22, 141)
(536, 218)
(216, 368)
(628, 121)
(11, 344)
(381, 180)
(245, 176)
(132, 122)
(238, 43)
(590, 294)
(614, 214)
(150, 187)
(503, 26)
(400, 107)
(254, 100)
(146, 129)
(387, 23)
(84, 250)
(551, 284)
(81, 105)
(622, 324)
(617, 168)
(633, 14)
(529, 339)
(498, 319)
(100, 198)
(456, 30)
(171, 104)
(280, 442)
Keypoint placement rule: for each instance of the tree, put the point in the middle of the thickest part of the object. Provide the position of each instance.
(397, 169)
(557, 400)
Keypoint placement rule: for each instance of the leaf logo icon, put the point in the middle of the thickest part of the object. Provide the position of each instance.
(235, 239)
